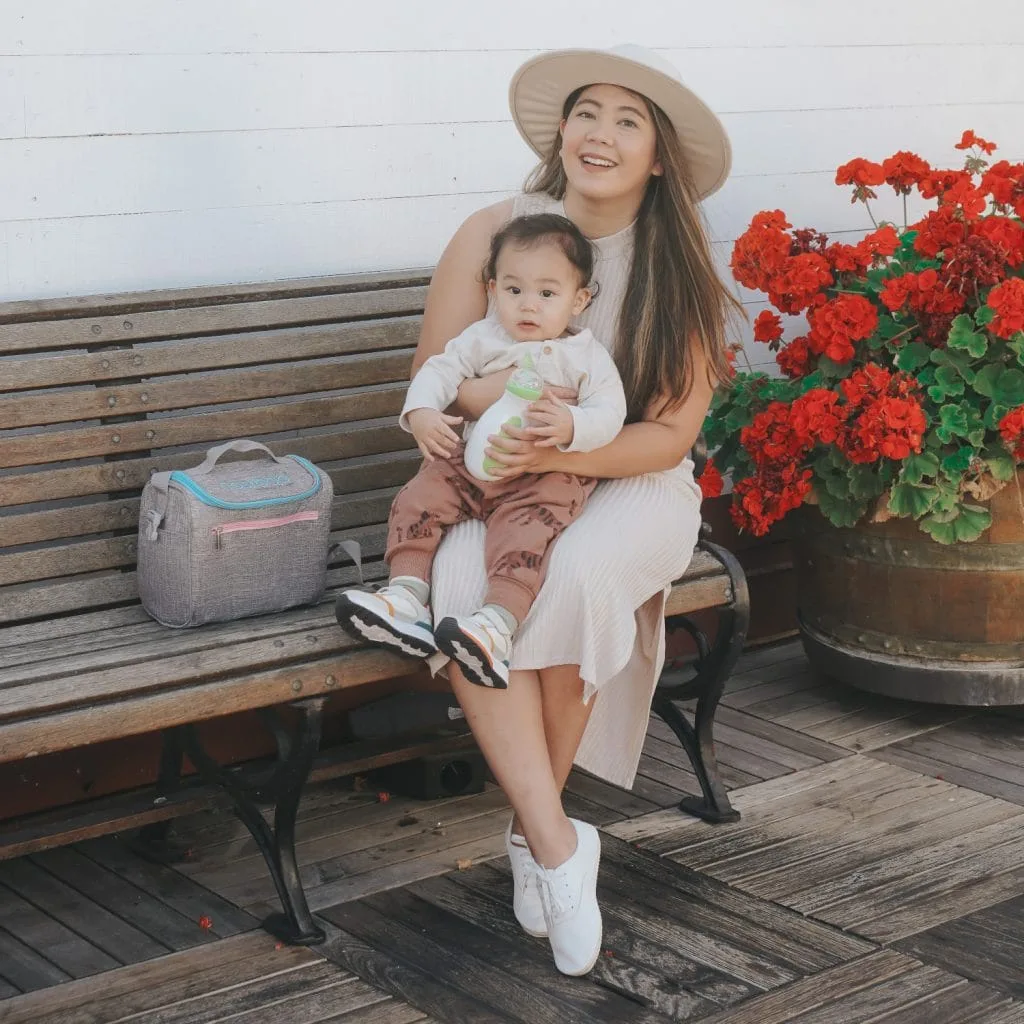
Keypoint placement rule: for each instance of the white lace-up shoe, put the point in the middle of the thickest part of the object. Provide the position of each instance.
(525, 897)
(568, 895)
(480, 644)
(391, 617)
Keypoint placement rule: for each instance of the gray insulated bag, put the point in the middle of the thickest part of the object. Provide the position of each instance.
(232, 538)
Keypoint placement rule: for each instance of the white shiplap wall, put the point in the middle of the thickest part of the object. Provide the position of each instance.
(155, 143)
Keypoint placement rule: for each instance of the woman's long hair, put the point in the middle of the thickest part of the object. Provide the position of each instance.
(674, 296)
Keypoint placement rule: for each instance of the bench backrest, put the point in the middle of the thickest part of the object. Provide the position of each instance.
(96, 393)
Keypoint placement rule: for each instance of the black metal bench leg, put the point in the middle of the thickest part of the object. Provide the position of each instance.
(713, 668)
(155, 842)
(281, 785)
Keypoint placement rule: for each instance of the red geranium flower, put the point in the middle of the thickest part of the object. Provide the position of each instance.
(969, 139)
(938, 230)
(839, 323)
(903, 170)
(1011, 429)
(710, 481)
(817, 414)
(764, 499)
(1007, 299)
(799, 282)
(767, 326)
(1004, 182)
(860, 172)
(795, 358)
(1005, 234)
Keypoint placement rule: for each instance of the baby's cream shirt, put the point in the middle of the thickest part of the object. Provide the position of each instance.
(578, 361)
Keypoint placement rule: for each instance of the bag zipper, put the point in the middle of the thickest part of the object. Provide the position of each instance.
(206, 498)
(260, 524)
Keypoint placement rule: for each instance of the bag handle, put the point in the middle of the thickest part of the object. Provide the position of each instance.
(214, 455)
(160, 481)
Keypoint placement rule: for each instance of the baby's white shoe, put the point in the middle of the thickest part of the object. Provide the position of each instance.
(568, 895)
(391, 617)
(525, 896)
(480, 644)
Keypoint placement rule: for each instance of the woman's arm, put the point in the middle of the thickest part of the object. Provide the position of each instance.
(457, 297)
(658, 442)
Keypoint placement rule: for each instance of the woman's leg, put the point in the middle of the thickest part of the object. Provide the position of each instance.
(509, 726)
(565, 717)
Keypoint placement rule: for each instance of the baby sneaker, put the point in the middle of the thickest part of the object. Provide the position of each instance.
(568, 895)
(480, 644)
(392, 617)
(525, 896)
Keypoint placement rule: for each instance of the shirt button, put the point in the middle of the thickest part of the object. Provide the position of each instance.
(547, 350)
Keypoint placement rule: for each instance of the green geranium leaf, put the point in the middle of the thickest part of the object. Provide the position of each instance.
(909, 501)
(955, 465)
(811, 381)
(963, 337)
(969, 523)
(833, 370)
(986, 380)
(1017, 345)
(917, 467)
(984, 315)
(952, 423)
(948, 384)
(1001, 465)
(960, 361)
(844, 512)
(913, 356)
(864, 482)
(1010, 388)
(993, 414)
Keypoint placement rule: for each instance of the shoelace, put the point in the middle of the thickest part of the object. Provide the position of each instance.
(546, 880)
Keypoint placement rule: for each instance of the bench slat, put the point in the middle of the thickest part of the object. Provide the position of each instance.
(213, 319)
(143, 435)
(173, 298)
(210, 353)
(48, 733)
(354, 440)
(205, 389)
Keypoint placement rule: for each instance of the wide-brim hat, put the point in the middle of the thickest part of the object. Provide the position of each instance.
(541, 86)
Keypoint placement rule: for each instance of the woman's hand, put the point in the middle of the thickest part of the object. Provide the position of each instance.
(478, 394)
(517, 453)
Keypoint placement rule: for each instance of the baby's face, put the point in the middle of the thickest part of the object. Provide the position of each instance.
(537, 292)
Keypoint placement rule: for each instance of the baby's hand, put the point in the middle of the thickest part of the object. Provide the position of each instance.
(433, 432)
(551, 422)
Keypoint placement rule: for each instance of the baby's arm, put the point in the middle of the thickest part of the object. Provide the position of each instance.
(434, 388)
(601, 411)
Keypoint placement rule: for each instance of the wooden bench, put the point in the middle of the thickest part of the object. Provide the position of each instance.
(98, 392)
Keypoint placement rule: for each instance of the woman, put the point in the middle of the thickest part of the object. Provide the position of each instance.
(627, 153)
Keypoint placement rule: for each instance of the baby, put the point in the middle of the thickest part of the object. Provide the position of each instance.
(538, 277)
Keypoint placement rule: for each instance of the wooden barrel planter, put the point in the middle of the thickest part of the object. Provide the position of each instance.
(885, 608)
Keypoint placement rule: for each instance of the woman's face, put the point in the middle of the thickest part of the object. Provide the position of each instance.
(609, 145)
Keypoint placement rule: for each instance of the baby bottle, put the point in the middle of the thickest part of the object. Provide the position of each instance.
(523, 387)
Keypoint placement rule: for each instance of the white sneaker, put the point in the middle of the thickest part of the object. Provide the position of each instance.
(568, 895)
(481, 645)
(391, 617)
(525, 896)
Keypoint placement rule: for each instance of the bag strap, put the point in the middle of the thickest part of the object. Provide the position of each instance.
(354, 551)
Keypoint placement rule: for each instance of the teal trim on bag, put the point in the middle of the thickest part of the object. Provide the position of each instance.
(206, 498)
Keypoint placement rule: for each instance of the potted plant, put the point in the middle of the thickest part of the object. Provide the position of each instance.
(896, 428)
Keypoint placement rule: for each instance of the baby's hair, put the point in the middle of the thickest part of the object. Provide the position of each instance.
(544, 228)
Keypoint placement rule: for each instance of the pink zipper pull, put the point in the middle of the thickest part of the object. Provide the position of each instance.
(218, 537)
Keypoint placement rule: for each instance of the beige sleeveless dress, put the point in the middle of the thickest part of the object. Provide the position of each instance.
(602, 604)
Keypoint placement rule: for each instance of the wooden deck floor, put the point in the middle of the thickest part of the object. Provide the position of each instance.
(877, 874)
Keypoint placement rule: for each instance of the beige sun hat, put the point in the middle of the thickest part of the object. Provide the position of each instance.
(540, 87)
